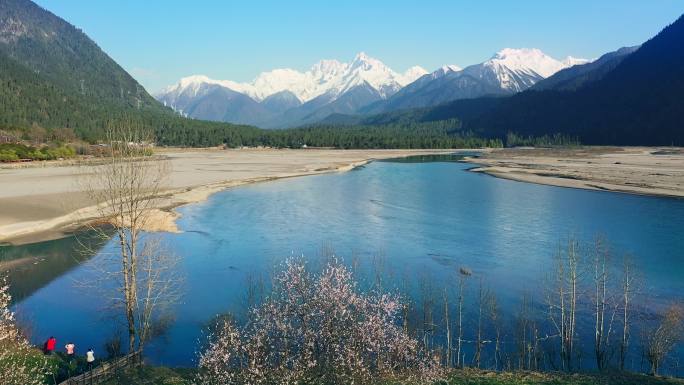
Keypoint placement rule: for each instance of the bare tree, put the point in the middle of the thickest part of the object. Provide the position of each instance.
(126, 187)
(447, 327)
(427, 292)
(603, 303)
(630, 287)
(526, 335)
(158, 283)
(463, 275)
(562, 300)
(495, 318)
(483, 299)
(661, 339)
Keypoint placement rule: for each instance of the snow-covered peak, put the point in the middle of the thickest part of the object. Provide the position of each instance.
(526, 59)
(363, 57)
(327, 69)
(413, 73)
(194, 79)
(516, 69)
(193, 84)
(277, 80)
(367, 70)
(451, 68)
(364, 62)
(445, 69)
(573, 61)
(324, 77)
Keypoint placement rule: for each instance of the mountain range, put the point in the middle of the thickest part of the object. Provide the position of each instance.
(632, 96)
(285, 97)
(289, 95)
(507, 72)
(54, 76)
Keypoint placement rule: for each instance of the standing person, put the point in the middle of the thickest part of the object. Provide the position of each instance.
(70, 349)
(50, 345)
(90, 358)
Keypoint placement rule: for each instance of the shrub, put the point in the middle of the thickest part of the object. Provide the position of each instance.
(11, 152)
(19, 362)
(8, 156)
(316, 329)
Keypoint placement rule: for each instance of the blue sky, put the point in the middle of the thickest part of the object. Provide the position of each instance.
(160, 41)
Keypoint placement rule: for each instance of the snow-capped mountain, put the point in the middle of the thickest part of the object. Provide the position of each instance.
(323, 84)
(287, 97)
(443, 70)
(573, 61)
(516, 69)
(506, 72)
(323, 77)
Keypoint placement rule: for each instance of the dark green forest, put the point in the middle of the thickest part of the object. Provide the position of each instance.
(440, 134)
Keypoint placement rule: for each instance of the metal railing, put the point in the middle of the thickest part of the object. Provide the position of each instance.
(106, 370)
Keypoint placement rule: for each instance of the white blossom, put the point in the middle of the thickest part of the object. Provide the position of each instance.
(317, 329)
(20, 364)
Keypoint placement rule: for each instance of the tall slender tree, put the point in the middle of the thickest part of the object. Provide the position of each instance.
(126, 186)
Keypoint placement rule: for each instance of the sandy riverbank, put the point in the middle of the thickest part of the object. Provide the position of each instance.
(636, 170)
(38, 203)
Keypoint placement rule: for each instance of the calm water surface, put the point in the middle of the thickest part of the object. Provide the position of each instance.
(426, 219)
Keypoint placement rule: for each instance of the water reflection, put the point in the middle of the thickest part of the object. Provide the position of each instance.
(455, 157)
(33, 266)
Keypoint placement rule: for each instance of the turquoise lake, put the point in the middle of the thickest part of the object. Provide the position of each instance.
(421, 220)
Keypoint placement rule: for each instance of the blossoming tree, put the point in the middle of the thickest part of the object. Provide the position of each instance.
(316, 328)
(19, 363)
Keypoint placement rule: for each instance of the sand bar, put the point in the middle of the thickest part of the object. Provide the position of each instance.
(635, 170)
(38, 203)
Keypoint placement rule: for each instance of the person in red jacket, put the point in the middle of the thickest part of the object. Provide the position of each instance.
(50, 345)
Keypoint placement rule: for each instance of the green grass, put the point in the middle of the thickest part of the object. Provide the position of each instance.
(154, 375)
(481, 377)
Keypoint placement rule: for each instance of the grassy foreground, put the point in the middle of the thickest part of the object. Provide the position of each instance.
(480, 377)
(167, 376)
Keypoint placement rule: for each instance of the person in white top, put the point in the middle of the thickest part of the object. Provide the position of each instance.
(90, 358)
(70, 347)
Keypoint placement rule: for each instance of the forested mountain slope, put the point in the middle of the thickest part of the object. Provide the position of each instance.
(638, 102)
(54, 76)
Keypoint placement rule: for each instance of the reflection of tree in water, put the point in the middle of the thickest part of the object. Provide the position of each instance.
(456, 157)
(35, 265)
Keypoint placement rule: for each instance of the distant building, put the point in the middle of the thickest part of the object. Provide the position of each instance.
(7, 139)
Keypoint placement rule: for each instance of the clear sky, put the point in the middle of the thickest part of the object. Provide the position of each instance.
(160, 41)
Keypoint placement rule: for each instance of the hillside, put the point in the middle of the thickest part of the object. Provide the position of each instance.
(54, 76)
(638, 102)
(575, 77)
